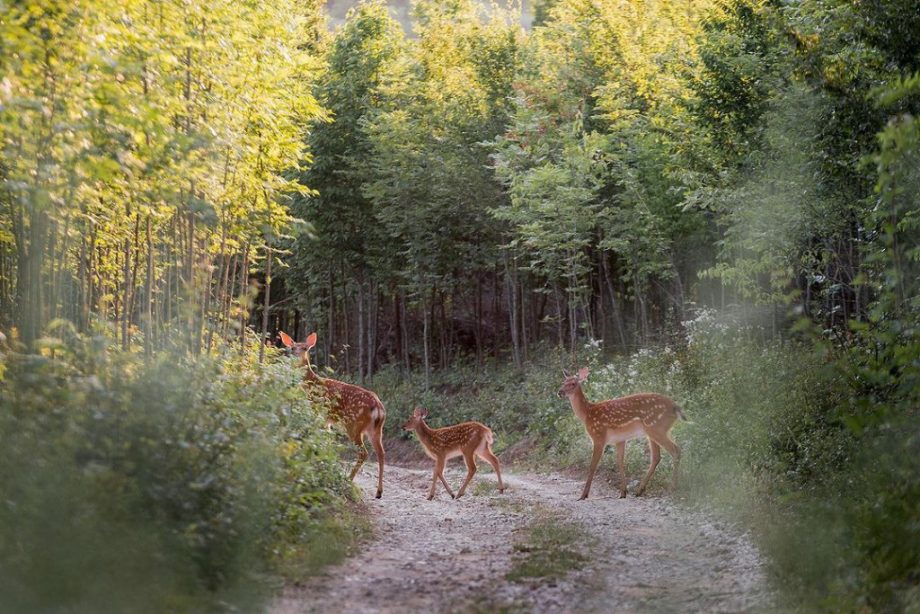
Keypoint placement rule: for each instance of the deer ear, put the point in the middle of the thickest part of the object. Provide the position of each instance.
(285, 339)
(311, 340)
(583, 374)
(423, 413)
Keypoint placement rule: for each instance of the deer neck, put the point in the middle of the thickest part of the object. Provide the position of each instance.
(425, 436)
(579, 403)
(310, 374)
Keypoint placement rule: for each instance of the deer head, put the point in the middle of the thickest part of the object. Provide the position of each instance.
(416, 419)
(572, 382)
(301, 349)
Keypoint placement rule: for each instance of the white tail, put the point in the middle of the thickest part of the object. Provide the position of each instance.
(358, 410)
(618, 420)
(469, 439)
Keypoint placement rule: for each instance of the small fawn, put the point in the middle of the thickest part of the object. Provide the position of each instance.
(358, 410)
(469, 439)
(618, 420)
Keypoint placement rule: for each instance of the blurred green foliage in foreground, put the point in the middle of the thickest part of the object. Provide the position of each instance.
(161, 485)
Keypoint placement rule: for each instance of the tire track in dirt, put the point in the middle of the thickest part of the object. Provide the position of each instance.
(646, 554)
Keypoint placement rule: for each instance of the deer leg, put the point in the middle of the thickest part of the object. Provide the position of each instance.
(488, 456)
(655, 458)
(362, 456)
(599, 446)
(621, 467)
(447, 487)
(377, 442)
(674, 450)
(438, 473)
(470, 460)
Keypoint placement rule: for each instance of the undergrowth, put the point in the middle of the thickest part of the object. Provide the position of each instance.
(161, 484)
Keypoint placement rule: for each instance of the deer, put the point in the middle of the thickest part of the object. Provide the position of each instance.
(358, 410)
(469, 439)
(618, 420)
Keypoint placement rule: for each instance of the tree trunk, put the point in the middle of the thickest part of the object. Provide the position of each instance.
(426, 321)
(361, 332)
(407, 359)
(511, 284)
(371, 329)
(266, 304)
(148, 318)
(616, 312)
(478, 320)
(126, 300)
(244, 297)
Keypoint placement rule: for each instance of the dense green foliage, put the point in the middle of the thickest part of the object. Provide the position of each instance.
(174, 484)
(143, 150)
(715, 199)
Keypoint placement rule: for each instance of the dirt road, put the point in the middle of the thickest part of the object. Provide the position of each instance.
(637, 554)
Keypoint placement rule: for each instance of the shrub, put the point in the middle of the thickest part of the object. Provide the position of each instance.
(161, 484)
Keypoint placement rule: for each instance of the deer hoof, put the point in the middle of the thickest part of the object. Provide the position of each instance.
(623, 494)
(431, 497)
(379, 494)
(582, 497)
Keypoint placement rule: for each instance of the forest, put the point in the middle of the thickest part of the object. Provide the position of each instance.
(717, 200)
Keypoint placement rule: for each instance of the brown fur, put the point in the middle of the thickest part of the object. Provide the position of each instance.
(618, 420)
(468, 439)
(358, 410)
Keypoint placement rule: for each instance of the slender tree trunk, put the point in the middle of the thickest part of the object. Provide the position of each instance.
(135, 265)
(496, 311)
(204, 320)
(148, 317)
(267, 303)
(397, 324)
(479, 320)
(29, 278)
(191, 288)
(330, 329)
(82, 273)
(522, 318)
(426, 325)
(513, 312)
(444, 337)
(615, 308)
(126, 300)
(224, 261)
(244, 298)
(346, 319)
(407, 360)
(361, 332)
(50, 289)
(371, 328)
(227, 307)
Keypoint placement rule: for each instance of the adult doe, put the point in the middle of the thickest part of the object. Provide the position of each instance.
(358, 410)
(618, 420)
